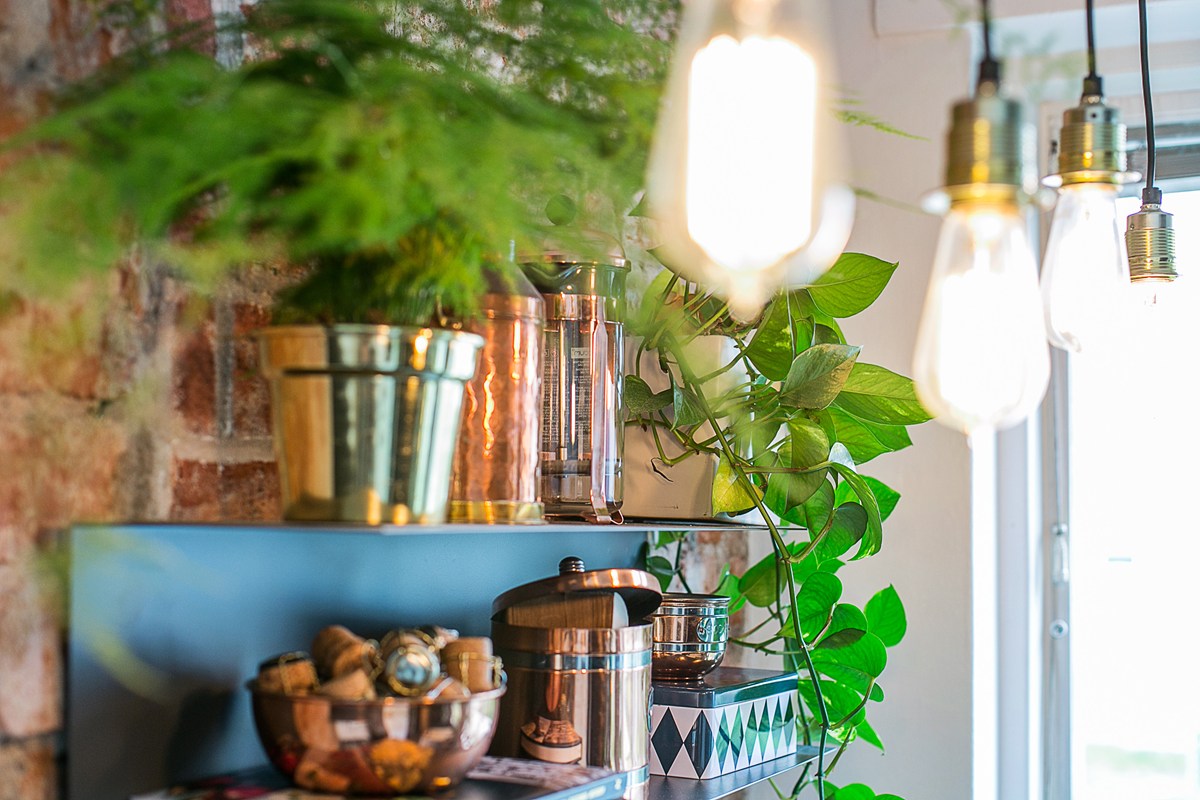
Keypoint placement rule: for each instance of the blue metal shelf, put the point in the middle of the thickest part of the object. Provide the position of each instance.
(186, 612)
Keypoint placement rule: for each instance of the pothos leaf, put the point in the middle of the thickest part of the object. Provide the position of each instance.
(865, 440)
(729, 494)
(873, 536)
(772, 349)
(885, 616)
(817, 375)
(639, 399)
(852, 284)
(885, 496)
(876, 394)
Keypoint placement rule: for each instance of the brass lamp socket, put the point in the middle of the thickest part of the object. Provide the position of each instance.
(1150, 241)
(990, 149)
(1091, 145)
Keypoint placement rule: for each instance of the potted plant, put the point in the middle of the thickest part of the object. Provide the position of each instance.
(392, 152)
(789, 437)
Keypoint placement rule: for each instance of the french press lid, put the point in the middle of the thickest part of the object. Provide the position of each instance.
(640, 590)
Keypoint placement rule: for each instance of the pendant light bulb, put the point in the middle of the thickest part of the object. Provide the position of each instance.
(745, 179)
(1149, 233)
(1150, 240)
(1084, 271)
(981, 361)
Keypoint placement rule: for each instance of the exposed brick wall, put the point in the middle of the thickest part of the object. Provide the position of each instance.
(130, 398)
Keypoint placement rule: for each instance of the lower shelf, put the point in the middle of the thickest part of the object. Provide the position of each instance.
(662, 788)
(264, 781)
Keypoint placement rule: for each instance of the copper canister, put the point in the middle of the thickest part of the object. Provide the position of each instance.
(496, 465)
(579, 695)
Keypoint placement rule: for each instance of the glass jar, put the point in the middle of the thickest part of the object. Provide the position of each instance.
(583, 437)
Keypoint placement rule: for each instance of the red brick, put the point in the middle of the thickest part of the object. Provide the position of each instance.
(250, 491)
(27, 770)
(251, 402)
(195, 19)
(30, 657)
(195, 491)
(195, 379)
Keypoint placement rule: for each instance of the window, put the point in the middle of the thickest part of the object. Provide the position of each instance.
(1134, 413)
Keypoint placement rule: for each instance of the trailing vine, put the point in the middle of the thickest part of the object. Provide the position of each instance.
(789, 418)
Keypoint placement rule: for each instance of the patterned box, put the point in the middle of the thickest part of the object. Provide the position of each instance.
(734, 718)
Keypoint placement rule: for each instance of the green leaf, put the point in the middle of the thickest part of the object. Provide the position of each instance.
(885, 496)
(885, 616)
(852, 284)
(728, 587)
(853, 679)
(770, 349)
(865, 732)
(729, 494)
(876, 394)
(640, 400)
(818, 375)
(758, 583)
(865, 653)
(808, 443)
(827, 334)
(873, 537)
(846, 617)
(688, 411)
(814, 603)
(849, 525)
(662, 569)
(853, 791)
(865, 440)
(787, 491)
(816, 511)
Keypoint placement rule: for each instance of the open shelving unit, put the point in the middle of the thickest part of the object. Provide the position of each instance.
(169, 621)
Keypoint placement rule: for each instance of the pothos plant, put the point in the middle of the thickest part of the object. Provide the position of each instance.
(790, 434)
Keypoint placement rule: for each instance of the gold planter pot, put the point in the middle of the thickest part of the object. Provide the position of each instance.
(366, 418)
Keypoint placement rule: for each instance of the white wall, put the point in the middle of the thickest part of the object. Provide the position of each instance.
(910, 80)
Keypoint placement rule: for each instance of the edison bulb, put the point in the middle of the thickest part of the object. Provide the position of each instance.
(1084, 272)
(982, 361)
(745, 177)
(1152, 294)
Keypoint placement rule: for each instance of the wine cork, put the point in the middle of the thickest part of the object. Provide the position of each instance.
(469, 660)
(356, 685)
(337, 651)
(289, 673)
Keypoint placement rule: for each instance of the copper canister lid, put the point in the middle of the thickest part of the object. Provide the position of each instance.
(640, 590)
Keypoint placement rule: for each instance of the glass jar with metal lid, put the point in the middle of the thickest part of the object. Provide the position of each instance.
(583, 425)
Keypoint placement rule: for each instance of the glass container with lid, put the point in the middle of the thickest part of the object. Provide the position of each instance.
(583, 438)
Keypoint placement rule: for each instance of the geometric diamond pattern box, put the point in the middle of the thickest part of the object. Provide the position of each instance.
(729, 720)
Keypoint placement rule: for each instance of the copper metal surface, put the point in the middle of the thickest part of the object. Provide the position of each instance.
(690, 635)
(496, 467)
(577, 694)
(381, 747)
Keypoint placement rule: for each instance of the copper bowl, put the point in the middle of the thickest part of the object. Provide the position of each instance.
(690, 634)
(389, 746)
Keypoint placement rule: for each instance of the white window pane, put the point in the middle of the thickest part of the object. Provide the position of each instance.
(1135, 593)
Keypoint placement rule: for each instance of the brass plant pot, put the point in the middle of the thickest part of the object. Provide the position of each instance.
(366, 418)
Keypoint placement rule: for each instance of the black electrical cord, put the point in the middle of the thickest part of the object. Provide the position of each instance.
(989, 68)
(1151, 194)
(1091, 39)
